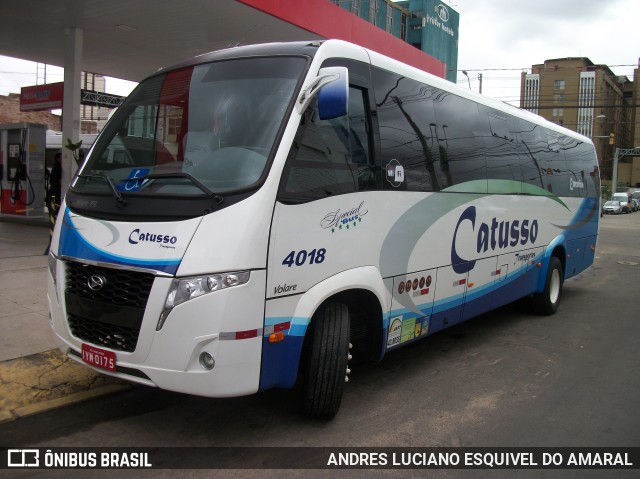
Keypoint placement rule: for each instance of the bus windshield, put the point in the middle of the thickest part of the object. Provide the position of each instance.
(202, 129)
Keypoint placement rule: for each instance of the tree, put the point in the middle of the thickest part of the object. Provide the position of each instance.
(74, 148)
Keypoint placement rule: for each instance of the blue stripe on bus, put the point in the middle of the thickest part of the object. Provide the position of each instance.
(280, 361)
(298, 324)
(458, 311)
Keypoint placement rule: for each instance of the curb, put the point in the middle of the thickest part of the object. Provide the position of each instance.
(75, 398)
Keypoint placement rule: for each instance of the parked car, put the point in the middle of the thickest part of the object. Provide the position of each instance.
(625, 201)
(635, 206)
(612, 208)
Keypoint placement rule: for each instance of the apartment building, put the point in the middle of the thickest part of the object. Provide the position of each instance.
(592, 100)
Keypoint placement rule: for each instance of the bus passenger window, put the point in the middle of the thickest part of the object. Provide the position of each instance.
(330, 157)
(407, 137)
(458, 131)
(534, 141)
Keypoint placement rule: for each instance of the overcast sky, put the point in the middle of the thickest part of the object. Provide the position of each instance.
(498, 38)
(515, 34)
(15, 73)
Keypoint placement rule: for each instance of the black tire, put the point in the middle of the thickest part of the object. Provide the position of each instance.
(325, 367)
(548, 301)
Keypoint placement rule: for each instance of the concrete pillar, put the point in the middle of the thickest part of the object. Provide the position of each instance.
(71, 108)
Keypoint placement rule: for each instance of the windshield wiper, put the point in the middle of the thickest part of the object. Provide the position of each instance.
(116, 194)
(195, 181)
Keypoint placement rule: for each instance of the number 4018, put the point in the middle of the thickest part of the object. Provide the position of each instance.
(299, 258)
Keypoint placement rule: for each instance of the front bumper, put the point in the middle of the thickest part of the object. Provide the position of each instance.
(227, 324)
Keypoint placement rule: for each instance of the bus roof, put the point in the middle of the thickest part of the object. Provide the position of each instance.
(348, 50)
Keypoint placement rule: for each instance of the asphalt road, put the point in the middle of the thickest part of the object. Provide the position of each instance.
(508, 378)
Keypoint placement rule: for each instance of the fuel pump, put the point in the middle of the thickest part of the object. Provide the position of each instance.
(22, 169)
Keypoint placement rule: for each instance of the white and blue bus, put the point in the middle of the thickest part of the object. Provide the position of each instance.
(264, 216)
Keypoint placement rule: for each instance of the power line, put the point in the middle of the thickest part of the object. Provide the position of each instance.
(550, 69)
(551, 107)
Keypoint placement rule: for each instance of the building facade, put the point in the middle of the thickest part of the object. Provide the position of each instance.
(10, 113)
(429, 25)
(93, 118)
(592, 100)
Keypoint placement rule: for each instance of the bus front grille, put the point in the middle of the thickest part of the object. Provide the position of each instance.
(121, 287)
(105, 306)
(104, 335)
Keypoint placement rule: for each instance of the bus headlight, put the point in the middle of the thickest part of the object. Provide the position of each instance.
(184, 289)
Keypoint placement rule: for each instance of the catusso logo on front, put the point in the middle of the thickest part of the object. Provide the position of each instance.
(23, 458)
(136, 236)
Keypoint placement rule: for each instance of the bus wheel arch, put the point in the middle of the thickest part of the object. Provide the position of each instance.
(345, 329)
(548, 300)
(366, 332)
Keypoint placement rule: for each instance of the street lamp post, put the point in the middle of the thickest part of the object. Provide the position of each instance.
(600, 150)
(464, 72)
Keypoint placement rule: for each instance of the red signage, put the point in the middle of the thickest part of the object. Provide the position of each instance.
(42, 97)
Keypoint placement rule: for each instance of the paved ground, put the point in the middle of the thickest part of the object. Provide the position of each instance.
(34, 375)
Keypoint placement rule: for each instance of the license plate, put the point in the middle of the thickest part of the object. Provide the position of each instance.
(99, 358)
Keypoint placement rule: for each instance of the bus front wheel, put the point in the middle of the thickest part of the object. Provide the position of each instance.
(547, 302)
(327, 359)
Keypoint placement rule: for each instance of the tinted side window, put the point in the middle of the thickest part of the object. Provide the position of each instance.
(587, 154)
(554, 164)
(407, 139)
(582, 170)
(533, 139)
(506, 156)
(330, 157)
(359, 128)
(458, 132)
(433, 137)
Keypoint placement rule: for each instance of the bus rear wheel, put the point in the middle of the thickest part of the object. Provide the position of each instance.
(548, 301)
(325, 368)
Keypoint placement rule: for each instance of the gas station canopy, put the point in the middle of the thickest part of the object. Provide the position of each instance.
(132, 39)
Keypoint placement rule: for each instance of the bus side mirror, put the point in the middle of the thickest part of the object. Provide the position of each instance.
(332, 87)
(333, 98)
